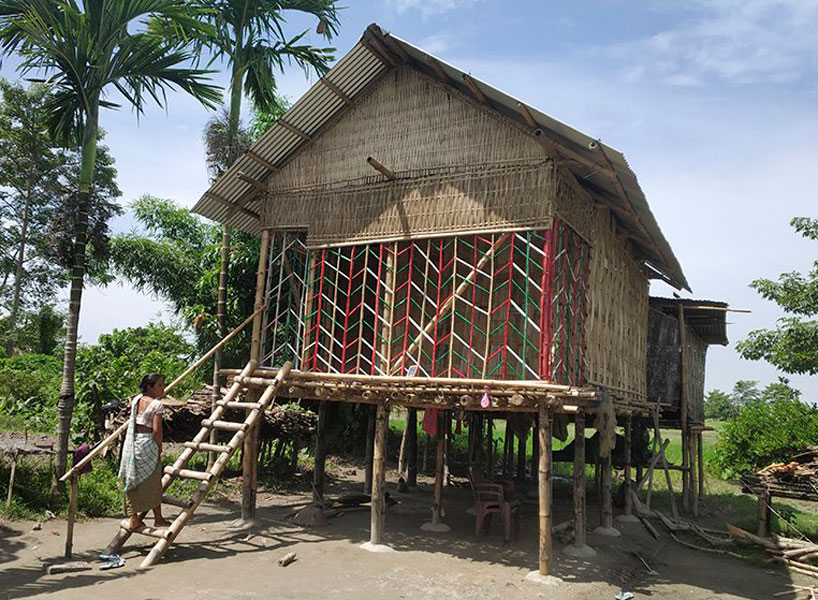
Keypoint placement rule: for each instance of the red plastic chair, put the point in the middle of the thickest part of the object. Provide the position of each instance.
(490, 498)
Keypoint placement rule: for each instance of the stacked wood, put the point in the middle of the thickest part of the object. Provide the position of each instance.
(802, 469)
(182, 421)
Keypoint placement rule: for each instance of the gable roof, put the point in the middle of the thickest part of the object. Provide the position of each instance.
(235, 198)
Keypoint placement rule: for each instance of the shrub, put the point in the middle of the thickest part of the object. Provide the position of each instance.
(765, 432)
(29, 385)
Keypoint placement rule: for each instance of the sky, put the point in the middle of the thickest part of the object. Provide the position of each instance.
(713, 102)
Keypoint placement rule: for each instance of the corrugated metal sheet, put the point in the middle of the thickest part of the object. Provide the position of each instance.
(593, 162)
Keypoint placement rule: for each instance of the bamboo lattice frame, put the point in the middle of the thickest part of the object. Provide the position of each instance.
(487, 306)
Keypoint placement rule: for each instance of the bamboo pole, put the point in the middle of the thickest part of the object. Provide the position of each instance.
(221, 320)
(490, 445)
(607, 496)
(700, 452)
(249, 467)
(693, 475)
(579, 481)
(437, 510)
(72, 515)
(763, 513)
(412, 443)
(377, 516)
(521, 454)
(683, 409)
(544, 485)
(370, 448)
(14, 458)
(121, 429)
(627, 474)
(320, 454)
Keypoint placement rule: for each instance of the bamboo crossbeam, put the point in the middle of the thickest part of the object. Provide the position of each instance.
(494, 385)
(336, 90)
(122, 428)
(254, 182)
(475, 89)
(378, 166)
(234, 207)
(261, 160)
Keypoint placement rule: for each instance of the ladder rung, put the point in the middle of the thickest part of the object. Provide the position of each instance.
(243, 405)
(174, 501)
(154, 532)
(226, 425)
(188, 474)
(205, 447)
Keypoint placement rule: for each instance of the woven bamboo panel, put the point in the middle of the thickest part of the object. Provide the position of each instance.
(573, 204)
(696, 356)
(427, 203)
(618, 316)
(407, 122)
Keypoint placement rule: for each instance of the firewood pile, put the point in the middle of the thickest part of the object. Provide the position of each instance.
(182, 420)
(803, 468)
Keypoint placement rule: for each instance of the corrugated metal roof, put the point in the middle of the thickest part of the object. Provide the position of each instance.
(595, 164)
(708, 318)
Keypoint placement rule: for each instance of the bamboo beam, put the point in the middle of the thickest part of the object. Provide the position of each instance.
(255, 157)
(294, 129)
(389, 174)
(378, 504)
(627, 474)
(529, 118)
(544, 486)
(336, 90)
(254, 182)
(475, 89)
(12, 474)
(245, 211)
(221, 316)
(370, 448)
(385, 60)
(437, 509)
(438, 69)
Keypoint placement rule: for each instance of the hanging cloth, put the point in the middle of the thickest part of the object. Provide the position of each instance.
(430, 421)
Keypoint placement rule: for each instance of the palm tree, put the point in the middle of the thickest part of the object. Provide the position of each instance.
(87, 50)
(249, 36)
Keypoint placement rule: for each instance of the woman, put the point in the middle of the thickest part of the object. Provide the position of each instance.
(141, 466)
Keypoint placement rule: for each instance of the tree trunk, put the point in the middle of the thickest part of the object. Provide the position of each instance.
(65, 404)
(11, 344)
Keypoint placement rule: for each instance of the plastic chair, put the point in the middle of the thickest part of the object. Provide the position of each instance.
(490, 498)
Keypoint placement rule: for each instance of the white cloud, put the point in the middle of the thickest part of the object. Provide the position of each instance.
(737, 41)
(429, 7)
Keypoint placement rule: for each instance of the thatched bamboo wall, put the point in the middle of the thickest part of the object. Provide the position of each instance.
(618, 314)
(459, 168)
(696, 355)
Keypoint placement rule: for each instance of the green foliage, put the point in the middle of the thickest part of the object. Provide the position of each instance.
(29, 384)
(262, 119)
(765, 432)
(793, 345)
(719, 405)
(112, 369)
(176, 257)
(37, 332)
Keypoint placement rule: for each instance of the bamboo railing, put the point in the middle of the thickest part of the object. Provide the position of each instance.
(73, 472)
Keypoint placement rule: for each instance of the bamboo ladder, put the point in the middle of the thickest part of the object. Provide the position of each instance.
(165, 536)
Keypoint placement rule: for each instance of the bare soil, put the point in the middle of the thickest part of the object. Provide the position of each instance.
(213, 560)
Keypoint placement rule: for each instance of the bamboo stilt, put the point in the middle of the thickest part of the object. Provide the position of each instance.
(320, 454)
(628, 458)
(250, 450)
(412, 444)
(14, 458)
(544, 486)
(370, 448)
(437, 510)
(700, 453)
(221, 320)
(521, 454)
(694, 477)
(579, 481)
(378, 503)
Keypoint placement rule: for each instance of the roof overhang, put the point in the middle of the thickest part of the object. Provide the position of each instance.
(235, 198)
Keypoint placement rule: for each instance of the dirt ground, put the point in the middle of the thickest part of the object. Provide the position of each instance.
(213, 560)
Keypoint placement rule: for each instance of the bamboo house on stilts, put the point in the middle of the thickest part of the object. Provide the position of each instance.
(429, 242)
